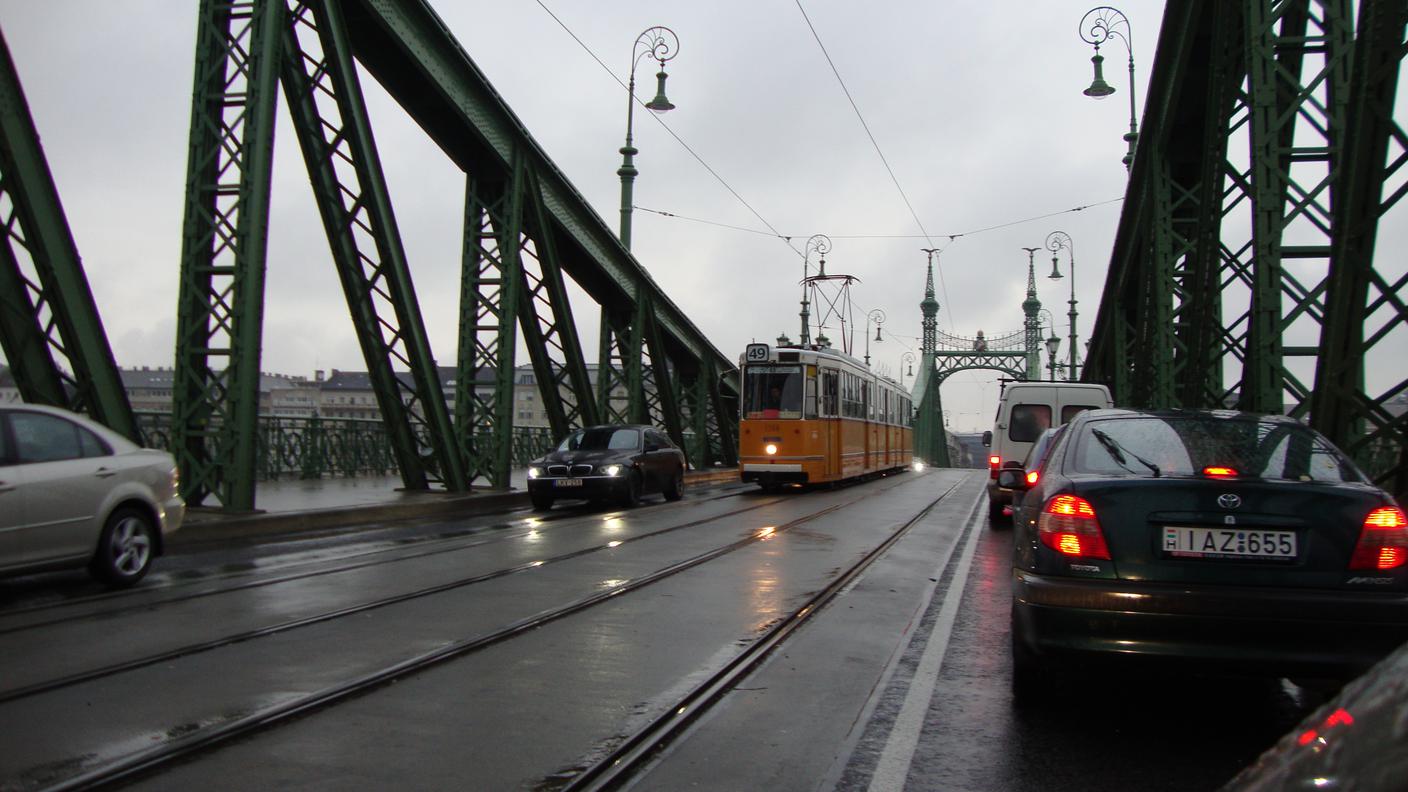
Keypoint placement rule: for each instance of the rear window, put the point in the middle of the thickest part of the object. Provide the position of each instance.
(1186, 445)
(1028, 422)
(1072, 410)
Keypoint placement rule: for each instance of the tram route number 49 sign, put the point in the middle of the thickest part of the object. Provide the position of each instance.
(756, 353)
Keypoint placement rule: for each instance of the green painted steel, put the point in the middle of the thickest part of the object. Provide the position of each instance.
(315, 448)
(49, 325)
(1256, 274)
(405, 45)
(350, 187)
(220, 307)
(489, 305)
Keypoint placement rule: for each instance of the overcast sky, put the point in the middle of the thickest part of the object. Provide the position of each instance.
(977, 107)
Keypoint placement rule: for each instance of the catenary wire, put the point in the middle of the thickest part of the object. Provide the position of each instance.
(786, 240)
(943, 285)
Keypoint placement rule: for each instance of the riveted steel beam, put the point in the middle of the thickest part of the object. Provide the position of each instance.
(215, 400)
(49, 324)
(1267, 262)
(334, 133)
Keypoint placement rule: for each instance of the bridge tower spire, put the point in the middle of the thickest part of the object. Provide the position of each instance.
(929, 441)
(1032, 308)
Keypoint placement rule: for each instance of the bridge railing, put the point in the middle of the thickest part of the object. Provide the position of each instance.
(312, 447)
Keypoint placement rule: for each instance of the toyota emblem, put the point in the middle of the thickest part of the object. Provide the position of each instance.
(1229, 501)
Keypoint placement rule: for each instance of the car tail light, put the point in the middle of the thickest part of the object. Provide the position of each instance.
(994, 462)
(1068, 525)
(1383, 541)
(1216, 471)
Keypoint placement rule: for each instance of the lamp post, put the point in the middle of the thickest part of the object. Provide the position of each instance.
(662, 44)
(1096, 27)
(907, 357)
(1055, 242)
(878, 317)
(821, 245)
(1053, 345)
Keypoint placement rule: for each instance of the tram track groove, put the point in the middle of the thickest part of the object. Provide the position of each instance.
(142, 762)
(631, 756)
(263, 632)
(421, 552)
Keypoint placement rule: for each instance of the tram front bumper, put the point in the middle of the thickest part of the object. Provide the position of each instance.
(774, 473)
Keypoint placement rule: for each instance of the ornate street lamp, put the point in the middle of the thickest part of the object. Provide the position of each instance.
(907, 357)
(878, 317)
(662, 44)
(1096, 27)
(1055, 242)
(821, 245)
(1053, 345)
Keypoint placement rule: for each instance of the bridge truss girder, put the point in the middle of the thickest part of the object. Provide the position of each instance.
(930, 435)
(1246, 246)
(50, 330)
(526, 230)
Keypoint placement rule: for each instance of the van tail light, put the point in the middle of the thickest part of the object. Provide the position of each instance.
(1068, 525)
(1383, 541)
(1032, 478)
(994, 462)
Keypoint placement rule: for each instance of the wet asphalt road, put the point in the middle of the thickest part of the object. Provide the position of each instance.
(901, 682)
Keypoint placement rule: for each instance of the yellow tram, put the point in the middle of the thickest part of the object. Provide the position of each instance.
(812, 415)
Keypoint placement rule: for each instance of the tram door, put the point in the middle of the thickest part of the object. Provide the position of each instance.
(830, 422)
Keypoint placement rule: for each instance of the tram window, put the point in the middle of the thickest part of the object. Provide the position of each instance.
(829, 394)
(773, 392)
(809, 402)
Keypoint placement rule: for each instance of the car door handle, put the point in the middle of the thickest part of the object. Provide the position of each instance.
(6, 486)
(105, 473)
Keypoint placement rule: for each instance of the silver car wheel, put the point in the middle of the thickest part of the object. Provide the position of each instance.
(131, 546)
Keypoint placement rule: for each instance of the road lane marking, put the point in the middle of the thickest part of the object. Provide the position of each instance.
(892, 769)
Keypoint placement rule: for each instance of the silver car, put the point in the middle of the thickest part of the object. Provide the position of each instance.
(75, 493)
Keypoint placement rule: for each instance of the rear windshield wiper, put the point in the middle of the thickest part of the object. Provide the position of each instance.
(1117, 452)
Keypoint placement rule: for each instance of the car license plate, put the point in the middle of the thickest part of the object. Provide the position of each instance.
(567, 483)
(1193, 542)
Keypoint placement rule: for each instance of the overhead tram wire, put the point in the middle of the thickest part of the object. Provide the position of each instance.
(786, 239)
(942, 284)
(951, 237)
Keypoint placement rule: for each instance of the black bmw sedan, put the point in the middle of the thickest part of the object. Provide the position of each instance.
(608, 463)
(1207, 539)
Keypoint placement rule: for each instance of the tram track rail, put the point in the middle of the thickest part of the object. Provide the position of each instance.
(338, 613)
(188, 746)
(637, 751)
(424, 548)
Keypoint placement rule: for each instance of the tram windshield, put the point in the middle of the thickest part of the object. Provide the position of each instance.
(772, 392)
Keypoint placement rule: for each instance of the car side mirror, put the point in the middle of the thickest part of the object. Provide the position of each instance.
(1013, 478)
(987, 439)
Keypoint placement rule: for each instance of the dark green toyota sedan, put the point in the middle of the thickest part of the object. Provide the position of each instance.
(1206, 540)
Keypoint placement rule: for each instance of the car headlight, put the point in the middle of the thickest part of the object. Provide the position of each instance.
(611, 470)
(534, 472)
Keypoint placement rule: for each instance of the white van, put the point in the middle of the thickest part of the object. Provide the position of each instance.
(1024, 411)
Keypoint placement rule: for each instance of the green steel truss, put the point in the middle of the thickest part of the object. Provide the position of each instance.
(527, 231)
(218, 326)
(321, 85)
(1270, 152)
(49, 325)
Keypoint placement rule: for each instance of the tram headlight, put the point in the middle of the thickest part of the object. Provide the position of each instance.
(918, 466)
(770, 448)
(611, 470)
